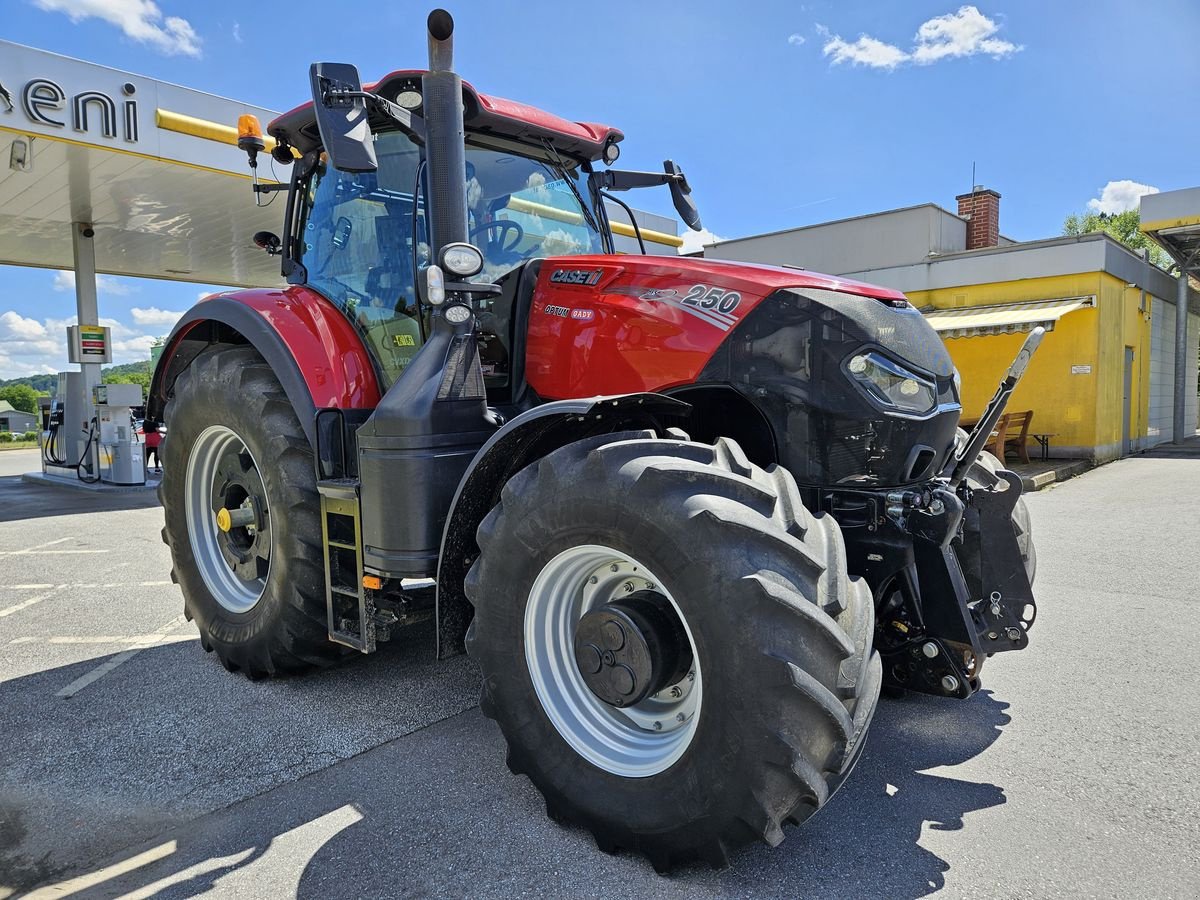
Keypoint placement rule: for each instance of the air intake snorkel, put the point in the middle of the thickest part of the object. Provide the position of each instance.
(445, 150)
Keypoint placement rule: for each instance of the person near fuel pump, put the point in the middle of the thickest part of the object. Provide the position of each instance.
(153, 439)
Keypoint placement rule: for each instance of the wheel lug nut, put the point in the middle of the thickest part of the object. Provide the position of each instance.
(593, 580)
(627, 587)
(680, 718)
(676, 692)
(658, 726)
(614, 568)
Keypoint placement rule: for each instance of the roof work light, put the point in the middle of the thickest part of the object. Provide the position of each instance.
(250, 137)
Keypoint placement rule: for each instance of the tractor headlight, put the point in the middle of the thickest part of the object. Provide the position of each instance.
(891, 385)
(463, 260)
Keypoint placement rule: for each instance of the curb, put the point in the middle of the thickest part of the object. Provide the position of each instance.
(1062, 473)
(75, 485)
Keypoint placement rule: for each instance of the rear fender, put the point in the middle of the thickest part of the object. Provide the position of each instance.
(311, 347)
(522, 441)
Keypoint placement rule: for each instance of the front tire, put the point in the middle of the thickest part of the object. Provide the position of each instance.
(255, 591)
(770, 715)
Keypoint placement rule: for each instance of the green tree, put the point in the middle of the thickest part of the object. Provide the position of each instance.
(21, 396)
(1124, 226)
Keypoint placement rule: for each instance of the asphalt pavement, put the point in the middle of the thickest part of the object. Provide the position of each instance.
(134, 765)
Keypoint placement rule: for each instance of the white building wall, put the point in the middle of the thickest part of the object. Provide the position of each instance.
(1162, 373)
(1191, 418)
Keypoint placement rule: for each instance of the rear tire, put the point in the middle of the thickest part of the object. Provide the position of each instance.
(781, 637)
(227, 416)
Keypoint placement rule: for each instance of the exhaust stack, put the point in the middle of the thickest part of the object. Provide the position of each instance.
(443, 104)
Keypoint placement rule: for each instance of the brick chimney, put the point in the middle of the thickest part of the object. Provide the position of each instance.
(981, 209)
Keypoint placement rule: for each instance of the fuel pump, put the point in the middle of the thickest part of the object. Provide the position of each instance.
(118, 448)
(65, 438)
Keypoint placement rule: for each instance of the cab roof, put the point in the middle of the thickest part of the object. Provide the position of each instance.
(482, 113)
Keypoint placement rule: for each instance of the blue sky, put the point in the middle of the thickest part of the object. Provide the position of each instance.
(782, 114)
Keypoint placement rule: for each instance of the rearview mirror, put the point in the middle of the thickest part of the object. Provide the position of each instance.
(342, 117)
(681, 196)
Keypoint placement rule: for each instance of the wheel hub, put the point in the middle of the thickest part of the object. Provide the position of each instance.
(635, 739)
(631, 648)
(229, 518)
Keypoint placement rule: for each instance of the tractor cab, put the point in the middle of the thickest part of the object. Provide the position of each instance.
(362, 240)
(360, 211)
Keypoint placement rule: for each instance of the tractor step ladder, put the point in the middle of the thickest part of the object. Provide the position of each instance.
(341, 539)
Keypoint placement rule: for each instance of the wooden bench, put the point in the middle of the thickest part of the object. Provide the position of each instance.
(1016, 434)
(1011, 433)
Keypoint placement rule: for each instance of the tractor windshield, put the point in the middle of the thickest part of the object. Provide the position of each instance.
(520, 208)
(361, 243)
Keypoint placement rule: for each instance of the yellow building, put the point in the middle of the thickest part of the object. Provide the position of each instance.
(1102, 383)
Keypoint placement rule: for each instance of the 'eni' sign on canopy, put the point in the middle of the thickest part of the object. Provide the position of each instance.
(45, 102)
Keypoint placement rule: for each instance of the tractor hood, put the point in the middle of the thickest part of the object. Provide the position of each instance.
(666, 273)
(679, 309)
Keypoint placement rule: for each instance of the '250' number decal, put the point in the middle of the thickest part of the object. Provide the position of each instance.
(705, 297)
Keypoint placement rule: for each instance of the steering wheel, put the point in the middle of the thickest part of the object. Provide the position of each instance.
(504, 226)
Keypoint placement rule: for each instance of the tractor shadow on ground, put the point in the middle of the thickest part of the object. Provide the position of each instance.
(867, 841)
(436, 813)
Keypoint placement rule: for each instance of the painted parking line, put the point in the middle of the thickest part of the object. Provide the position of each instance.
(24, 604)
(47, 552)
(40, 549)
(120, 659)
(25, 587)
(137, 639)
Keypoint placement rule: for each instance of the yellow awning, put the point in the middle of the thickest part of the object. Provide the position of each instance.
(1007, 318)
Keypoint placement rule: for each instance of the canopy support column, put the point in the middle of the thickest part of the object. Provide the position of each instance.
(86, 307)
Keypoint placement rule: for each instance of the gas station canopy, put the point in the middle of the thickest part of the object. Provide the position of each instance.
(153, 168)
(1172, 219)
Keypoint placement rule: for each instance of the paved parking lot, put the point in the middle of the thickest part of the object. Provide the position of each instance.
(133, 764)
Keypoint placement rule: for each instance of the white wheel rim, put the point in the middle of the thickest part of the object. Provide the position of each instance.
(233, 593)
(637, 741)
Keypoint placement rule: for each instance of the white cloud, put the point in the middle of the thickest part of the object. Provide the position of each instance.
(64, 280)
(30, 347)
(154, 316)
(866, 51)
(237, 32)
(1118, 196)
(967, 32)
(140, 20)
(694, 241)
(796, 39)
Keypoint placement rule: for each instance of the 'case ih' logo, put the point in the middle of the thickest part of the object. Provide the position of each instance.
(576, 276)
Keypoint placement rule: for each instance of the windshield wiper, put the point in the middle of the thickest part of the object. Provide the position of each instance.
(561, 166)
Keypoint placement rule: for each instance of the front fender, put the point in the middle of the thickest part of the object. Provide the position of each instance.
(311, 347)
(522, 441)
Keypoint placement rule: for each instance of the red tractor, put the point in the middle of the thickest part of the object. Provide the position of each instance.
(687, 516)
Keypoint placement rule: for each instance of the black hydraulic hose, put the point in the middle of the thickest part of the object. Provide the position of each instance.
(633, 220)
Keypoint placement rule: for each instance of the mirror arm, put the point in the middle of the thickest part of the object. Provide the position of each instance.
(395, 112)
(622, 180)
